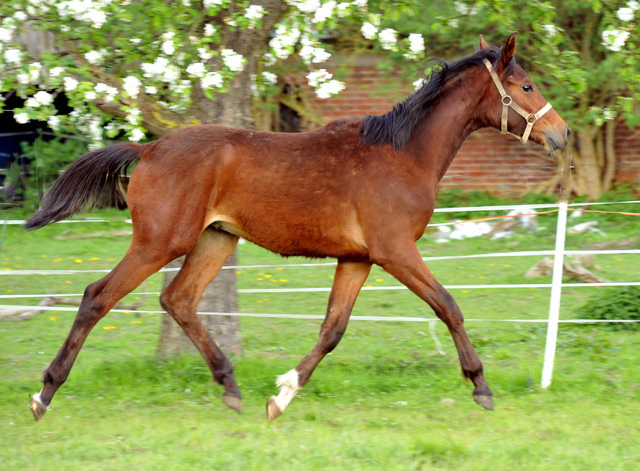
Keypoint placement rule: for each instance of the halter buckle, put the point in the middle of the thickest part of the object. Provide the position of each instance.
(507, 100)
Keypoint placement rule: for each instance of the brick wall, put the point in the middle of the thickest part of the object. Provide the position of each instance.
(487, 160)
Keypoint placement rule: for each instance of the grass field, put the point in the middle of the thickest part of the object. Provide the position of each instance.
(384, 399)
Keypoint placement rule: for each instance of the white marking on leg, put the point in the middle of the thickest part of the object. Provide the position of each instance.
(36, 398)
(289, 387)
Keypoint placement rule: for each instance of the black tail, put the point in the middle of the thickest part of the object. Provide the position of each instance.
(92, 181)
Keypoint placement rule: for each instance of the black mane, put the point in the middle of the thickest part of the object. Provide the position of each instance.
(396, 126)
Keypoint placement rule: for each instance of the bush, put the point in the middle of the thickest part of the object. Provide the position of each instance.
(611, 304)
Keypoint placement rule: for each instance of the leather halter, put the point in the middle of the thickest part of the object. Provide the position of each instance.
(507, 102)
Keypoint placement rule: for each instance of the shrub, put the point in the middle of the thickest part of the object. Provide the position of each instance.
(620, 303)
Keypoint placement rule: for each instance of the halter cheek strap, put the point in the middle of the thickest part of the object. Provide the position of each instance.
(507, 102)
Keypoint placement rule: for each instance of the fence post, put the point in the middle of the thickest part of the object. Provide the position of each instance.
(556, 290)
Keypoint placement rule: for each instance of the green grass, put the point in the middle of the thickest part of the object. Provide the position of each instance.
(384, 399)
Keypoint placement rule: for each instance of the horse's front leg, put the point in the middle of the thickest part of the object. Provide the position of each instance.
(404, 262)
(349, 278)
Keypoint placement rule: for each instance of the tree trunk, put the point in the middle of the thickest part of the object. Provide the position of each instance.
(231, 109)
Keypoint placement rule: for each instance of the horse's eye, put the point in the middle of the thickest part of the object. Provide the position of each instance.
(527, 87)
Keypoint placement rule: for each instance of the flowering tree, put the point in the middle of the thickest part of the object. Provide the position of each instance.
(148, 67)
(586, 54)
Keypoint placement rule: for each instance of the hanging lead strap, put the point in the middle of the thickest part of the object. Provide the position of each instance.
(507, 102)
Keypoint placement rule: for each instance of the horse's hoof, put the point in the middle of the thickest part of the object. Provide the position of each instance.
(484, 400)
(37, 407)
(273, 411)
(233, 402)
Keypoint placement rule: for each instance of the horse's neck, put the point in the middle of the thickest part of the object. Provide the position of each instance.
(439, 136)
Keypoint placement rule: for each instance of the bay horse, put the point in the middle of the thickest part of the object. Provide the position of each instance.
(359, 190)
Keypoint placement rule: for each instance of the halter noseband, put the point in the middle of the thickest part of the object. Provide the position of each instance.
(508, 102)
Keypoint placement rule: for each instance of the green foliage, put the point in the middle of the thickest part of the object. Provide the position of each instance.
(47, 159)
(613, 304)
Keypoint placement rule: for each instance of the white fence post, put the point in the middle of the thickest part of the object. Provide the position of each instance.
(556, 290)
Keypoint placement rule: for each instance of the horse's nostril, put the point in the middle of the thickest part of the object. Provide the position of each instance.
(568, 133)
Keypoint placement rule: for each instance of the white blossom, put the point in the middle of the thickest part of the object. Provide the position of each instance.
(388, 38)
(625, 14)
(418, 84)
(90, 95)
(5, 35)
(209, 29)
(150, 90)
(131, 85)
(320, 55)
(204, 53)
(136, 135)
(93, 57)
(211, 3)
(269, 77)
(23, 78)
(89, 11)
(254, 13)
(324, 12)
(614, 39)
(212, 79)
(551, 29)
(233, 60)
(43, 98)
(360, 3)
(20, 16)
(133, 116)
(465, 9)
(70, 84)
(634, 5)
(369, 30)
(196, 69)
(168, 47)
(21, 118)
(416, 44)
(56, 71)
(318, 76)
(53, 122)
(307, 6)
(13, 56)
(31, 103)
(330, 88)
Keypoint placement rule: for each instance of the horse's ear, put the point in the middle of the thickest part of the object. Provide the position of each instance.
(483, 44)
(508, 50)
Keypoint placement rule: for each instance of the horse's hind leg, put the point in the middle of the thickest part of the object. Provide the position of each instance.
(405, 263)
(99, 298)
(349, 278)
(181, 297)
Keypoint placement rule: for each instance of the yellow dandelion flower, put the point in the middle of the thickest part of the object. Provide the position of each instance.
(239, 272)
(150, 313)
(279, 268)
(56, 260)
(68, 282)
(77, 260)
(258, 300)
(273, 281)
(43, 256)
(9, 291)
(472, 276)
(53, 318)
(110, 327)
(284, 280)
(507, 266)
(152, 282)
(260, 279)
(465, 290)
(6, 269)
(491, 265)
(481, 277)
(94, 259)
(136, 322)
(268, 276)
